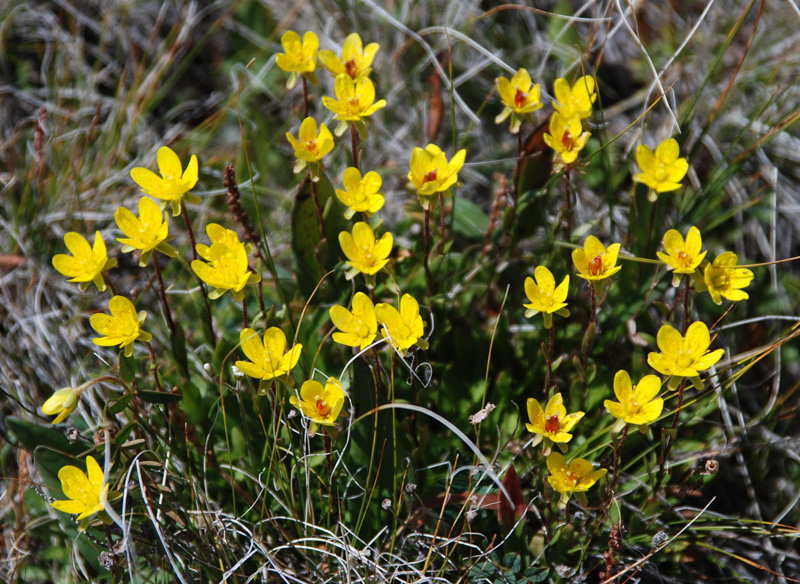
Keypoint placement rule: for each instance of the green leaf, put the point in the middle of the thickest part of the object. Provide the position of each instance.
(127, 367)
(118, 406)
(123, 434)
(513, 562)
(469, 219)
(179, 348)
(160, 397)
(536, 574)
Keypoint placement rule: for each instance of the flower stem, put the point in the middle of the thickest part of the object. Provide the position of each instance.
(354, 147)
(668, 448)
(686, 314)
(155, 365)
(650, 228)
(549, 358)
(322, 234)
(305, 97)
(617, 458)
(428, 275)
(566, 212)
(163, 293)
(245, 320)
(592, 322)
(200, 283)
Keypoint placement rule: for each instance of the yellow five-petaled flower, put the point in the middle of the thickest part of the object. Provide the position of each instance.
(122, 327)
(595, 261)
(174, 184)
(355, 100)
(86, 495)
(405, 328)
(148, 232)
(227, 267)
(268, 359)
(544, 296)
(431, 173)
(321, 404)
(298, 58)
(356, 59)
(311, 147)
(520, 97)
(361, 194)
(637, 405)
(363, 253)
(86, 264)
(663, 170)
(566, 137)
(357, 328)
(578, 477)
(684, 356)
(576, 100)
(552, 423)
(683, 256)
(723, 279)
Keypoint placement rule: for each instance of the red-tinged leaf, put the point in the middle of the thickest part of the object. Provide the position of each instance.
(436, 109)
(510, 509)
(8, 262)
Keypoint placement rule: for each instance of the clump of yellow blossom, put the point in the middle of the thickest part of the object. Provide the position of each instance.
(431, 173)
(148, 232)
(663, 170)
(545, 297)
(86, 495)
(86, 264)
(363, 253)
(320, 404)
(520, 98)
(357, 328)
(311, 146)
(551, 424)
(355, 101)
(683, 256)
(173, 185)
(595, 261)
(578, 477)
(63, 402)
(723, 279)
(356, 60)
(268, 359)
(576, 100)
(684, 356)
(566, 137)
(122, 327)
(361, 194)
(637, 405)
(227, 267)
(298, 58)
(403, 328)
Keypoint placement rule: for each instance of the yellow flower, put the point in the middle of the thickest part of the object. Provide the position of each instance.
(519, 97)
(683, 356)
(566, 137)
(268, 360)
(356, 61)
(553, 423)
(663, 170)
(578, 477)
(121, 327)
(431, 173)
(363, 252)
(723, 280)
(637, 405)
(577, 100)
(320, 404)
(358, 328)
(682, 256)
(86, 264)
(227, 268)
(86, 495)
(361, 194)
(63, 402)
(545, 297)
(147, 233)
(298, 57)
(404, 329)
(311, 147)
(355, 102)
(594, 261)
(174, 184)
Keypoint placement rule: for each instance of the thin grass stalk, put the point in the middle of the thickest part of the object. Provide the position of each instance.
(163, 294)
(200, 283)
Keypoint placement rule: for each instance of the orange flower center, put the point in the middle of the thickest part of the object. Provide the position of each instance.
(567, 141)
(572, 478)
(520, 98)
(551, 425)
(353, 103)
(430, 176)
(311, 145)
(683, 258)
(596, 265)
(351, 68)
(323, 409)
